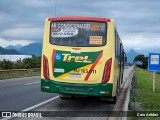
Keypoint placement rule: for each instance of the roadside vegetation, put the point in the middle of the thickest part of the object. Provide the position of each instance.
(27, 63)
(142, 59)
(150, 100)
(16, 74)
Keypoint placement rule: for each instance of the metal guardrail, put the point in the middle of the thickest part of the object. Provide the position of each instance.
(123, 99)
(20, 70)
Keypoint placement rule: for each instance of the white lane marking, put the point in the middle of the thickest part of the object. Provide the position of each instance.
(42, 103)
(32, 83)
(33, 107)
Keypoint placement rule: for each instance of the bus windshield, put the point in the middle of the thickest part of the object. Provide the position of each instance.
(78, 33)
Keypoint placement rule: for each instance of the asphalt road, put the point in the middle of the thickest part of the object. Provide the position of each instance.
(92, 106)
(20, 93)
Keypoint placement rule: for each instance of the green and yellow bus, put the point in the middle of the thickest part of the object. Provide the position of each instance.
(82, 56)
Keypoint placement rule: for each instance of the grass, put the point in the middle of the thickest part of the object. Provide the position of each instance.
(17, 74)
(150, 100)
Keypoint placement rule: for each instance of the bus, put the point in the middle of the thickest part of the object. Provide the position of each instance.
(82, 56)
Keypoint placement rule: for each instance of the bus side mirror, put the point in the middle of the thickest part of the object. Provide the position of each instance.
(125, 59)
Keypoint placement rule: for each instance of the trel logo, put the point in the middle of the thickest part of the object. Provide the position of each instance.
(69, 58)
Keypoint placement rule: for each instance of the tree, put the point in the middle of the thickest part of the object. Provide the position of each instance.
(34, 62)
(6, 64)
(143, 59)
(19, 65)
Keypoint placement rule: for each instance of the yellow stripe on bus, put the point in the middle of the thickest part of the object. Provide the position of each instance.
(84, 67)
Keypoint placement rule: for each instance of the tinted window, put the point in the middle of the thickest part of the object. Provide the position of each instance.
(78, 33)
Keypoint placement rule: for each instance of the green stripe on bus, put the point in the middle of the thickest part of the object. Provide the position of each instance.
(72, 88)
(65, 61)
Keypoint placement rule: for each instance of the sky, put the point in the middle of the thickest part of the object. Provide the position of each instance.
(137, 21)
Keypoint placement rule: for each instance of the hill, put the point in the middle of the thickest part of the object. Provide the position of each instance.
(131, 55)
(31, 49)
(9, 52)
(16, 47)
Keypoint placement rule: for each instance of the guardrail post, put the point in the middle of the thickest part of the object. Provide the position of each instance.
(135, 106)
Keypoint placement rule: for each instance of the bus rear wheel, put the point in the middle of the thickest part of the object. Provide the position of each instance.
(115, 98)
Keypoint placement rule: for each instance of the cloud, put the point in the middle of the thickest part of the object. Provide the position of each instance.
(23, 33)
(141, 41)
(13, 42)
(137, 21)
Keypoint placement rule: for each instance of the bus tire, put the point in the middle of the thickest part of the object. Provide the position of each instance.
(115, 98)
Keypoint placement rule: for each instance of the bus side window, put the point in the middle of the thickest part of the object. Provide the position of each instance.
(119, 49)
(116, 44)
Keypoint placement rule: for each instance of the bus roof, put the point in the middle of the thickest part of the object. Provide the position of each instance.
(83, 18)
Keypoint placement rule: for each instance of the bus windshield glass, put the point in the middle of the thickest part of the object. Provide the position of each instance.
(78, 33)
